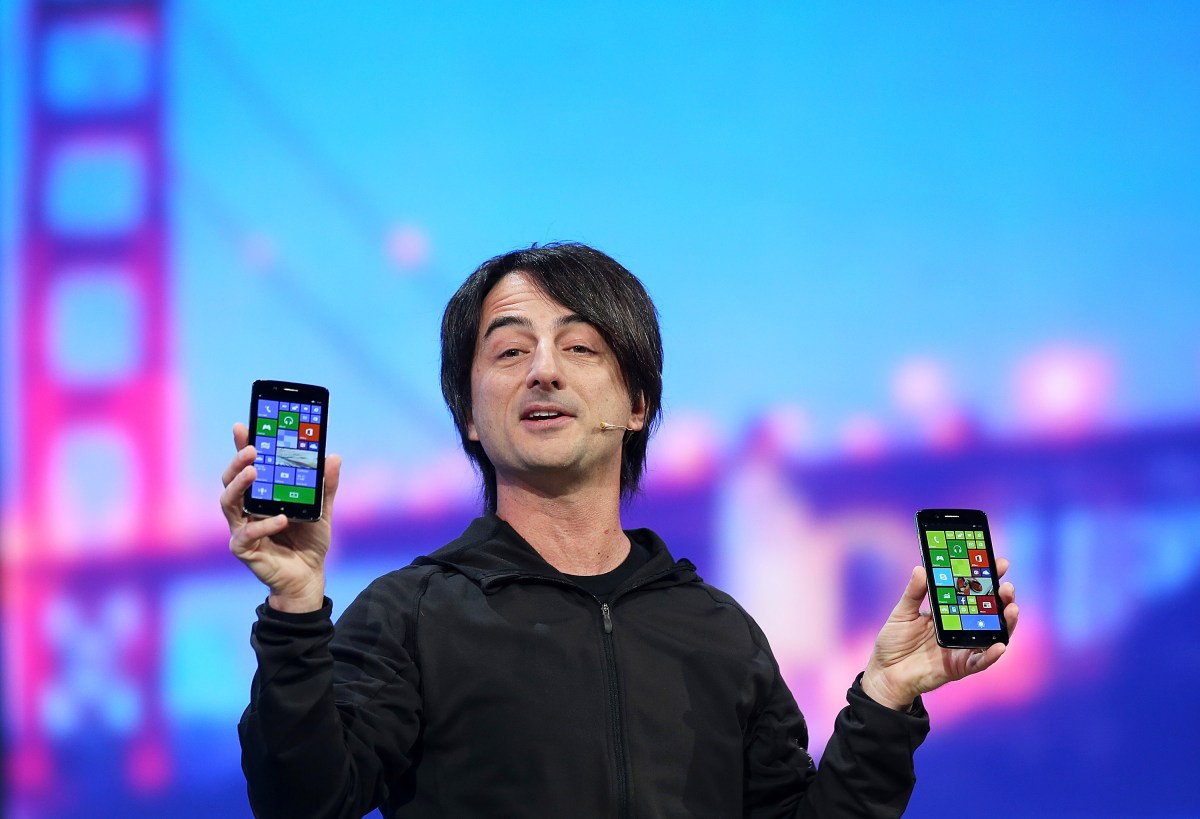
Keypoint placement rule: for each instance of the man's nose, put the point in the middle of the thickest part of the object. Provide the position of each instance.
(544, 370)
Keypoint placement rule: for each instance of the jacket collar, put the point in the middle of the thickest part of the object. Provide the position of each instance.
(492, 554)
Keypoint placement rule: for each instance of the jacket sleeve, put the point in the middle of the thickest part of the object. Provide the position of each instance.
(867, 768)
(333, 717)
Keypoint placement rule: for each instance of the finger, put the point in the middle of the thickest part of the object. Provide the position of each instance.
(333, 476)
(241, 436)
(1011, 612)
(1001, 566)
(231, 498)
(243, 457)
(1007, 592)
(980, 662)
(909, 606)
(245, 536)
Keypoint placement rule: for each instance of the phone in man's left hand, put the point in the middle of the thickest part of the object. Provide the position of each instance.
(288, 425)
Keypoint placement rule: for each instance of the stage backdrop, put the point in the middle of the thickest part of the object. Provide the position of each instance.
(930, 255)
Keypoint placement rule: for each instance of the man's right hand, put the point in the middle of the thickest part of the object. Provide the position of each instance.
(287, 556)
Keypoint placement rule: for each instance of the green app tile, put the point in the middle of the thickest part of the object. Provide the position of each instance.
(951, 622)
(266, 426)
(960, 568)
(295, 494)
(289, 420)
(936, 540)
(958, 548)
(939, 558)
(959, 535)
(944, 609)
(945, 594)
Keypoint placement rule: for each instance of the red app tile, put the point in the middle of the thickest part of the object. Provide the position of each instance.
(310, 432)
(978, 557)
(986, 603)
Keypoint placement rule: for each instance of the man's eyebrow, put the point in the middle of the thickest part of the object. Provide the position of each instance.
(521, 321)
(506, 321)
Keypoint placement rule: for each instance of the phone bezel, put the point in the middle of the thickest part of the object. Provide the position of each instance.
(935, 519)
(295, 392)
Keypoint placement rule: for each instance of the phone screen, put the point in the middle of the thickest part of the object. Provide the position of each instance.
(287, 426)
(960, 567)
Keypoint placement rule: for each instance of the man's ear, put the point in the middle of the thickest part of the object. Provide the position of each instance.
(472, 435)
(637, 413)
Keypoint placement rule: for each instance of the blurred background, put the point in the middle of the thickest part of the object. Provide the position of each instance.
(914, 256)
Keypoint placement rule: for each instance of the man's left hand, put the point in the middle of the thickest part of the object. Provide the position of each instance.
(907, 660)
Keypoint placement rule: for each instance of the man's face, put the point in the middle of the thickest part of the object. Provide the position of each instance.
(541, 382)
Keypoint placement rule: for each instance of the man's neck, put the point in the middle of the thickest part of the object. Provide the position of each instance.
(579, 533)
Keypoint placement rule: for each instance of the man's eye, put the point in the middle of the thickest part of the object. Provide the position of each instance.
(579, 348)
(511, 352)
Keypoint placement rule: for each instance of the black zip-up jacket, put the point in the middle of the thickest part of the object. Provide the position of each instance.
(480, 682)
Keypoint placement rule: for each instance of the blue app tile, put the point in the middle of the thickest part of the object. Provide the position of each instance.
(295, 408)
(306, 477)
(260, 491)
(285, 474)
(305, 418)
(306, 407)
(316, 410)
(269, 459)
(986, 572)
(267, 408)
(264, 444)
(975, 570)
(981, 622)
(962, 600)
(266, 474)
(313, 445)
(288, 438)
(260, 458)
(953, 609)
(943, 577)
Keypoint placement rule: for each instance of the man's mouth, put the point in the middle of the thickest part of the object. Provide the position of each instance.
(543, 414)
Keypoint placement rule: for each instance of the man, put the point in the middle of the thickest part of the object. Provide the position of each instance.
(548, 663)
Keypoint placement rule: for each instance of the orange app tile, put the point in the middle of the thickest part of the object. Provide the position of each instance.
(978, 557)
(310, 432)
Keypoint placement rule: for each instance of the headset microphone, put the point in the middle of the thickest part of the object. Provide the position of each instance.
(605, 426)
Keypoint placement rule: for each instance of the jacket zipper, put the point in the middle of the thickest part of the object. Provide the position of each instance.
(614, 706)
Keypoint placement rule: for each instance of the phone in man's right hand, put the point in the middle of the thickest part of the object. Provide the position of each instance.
(960, 568)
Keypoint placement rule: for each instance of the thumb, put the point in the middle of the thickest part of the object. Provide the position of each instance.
(909, 606)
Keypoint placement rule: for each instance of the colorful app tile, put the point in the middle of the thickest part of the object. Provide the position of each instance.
(976, 572)
(978, 557)
(962, 568)
(294, 494)
(987, 605)
(285, 475)
(266, 474)
(289, 420)
(939, 558)
(268, 408)
(960, 535)
(958, 548)
(943, 577)
(310, 432)
(936, 540)
(981, 622)
(266, 426)
(945, 594)
(287, 440)
(953, 609)
(951, 622)
(985, 572)
(944, 609)
(260, 490)
(264, 445)
(983, 585)
(316, 410)
(306, 477)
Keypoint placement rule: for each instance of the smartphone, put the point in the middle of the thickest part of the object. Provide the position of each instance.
(960, 568)
(288, 422)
